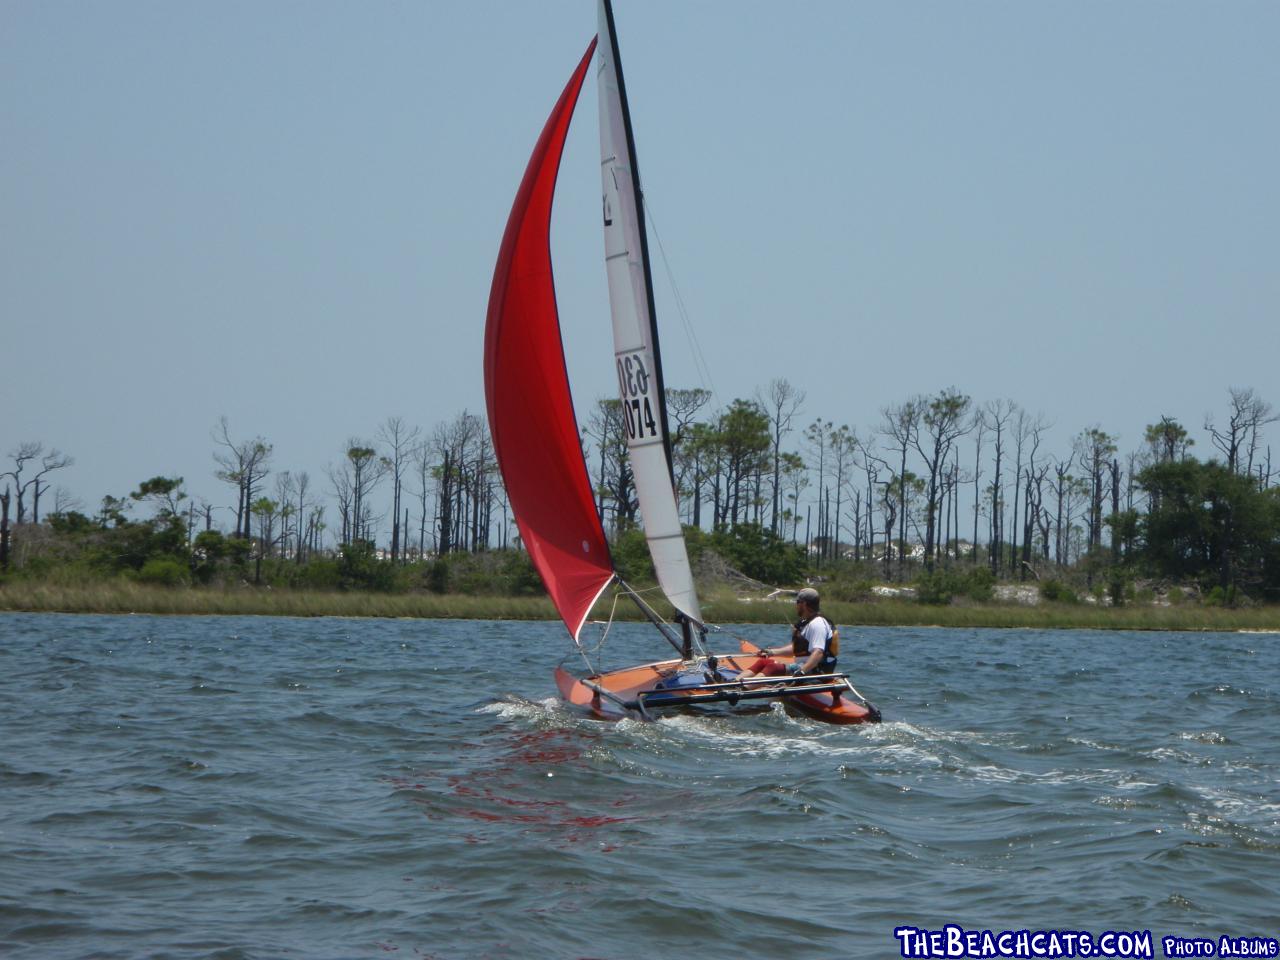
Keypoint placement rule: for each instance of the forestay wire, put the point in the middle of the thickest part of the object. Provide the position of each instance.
(608, 625)
(695, 348)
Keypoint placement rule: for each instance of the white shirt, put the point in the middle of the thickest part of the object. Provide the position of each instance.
(817, 631)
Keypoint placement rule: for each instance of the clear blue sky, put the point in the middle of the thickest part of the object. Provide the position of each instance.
(288, 212)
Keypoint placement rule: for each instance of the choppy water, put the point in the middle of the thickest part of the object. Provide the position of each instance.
(252, 787)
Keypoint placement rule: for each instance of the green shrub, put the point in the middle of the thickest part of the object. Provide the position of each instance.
(494, 573)
(759, 553)
(522, 579)
(851, 590)
(979, 584)
(1221, 596)
(631, 557)
(1055, 591)
(934, 588)
(436, 575)
(360, 568)
(938, 587)
(165, 572)
(321, 573)
(747, 547)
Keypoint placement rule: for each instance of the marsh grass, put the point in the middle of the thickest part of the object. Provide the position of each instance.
(720, 605)
(125, 597)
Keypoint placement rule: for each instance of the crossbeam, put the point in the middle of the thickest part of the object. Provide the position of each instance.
(734, 692)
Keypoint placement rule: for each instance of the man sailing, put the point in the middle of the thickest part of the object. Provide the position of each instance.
(814, 642)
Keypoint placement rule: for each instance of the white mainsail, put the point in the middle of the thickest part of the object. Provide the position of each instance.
(634, 334)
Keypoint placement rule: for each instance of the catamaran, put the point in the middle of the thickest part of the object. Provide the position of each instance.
(539, 450)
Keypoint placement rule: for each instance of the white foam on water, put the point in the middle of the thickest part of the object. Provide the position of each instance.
(1178, 756)
(1122, 803)
(909, 745)
(1135, 784)
(740, 736)
(983, 738)
(1095, 744)
(1052, 778)
(551, 707)
(1205, 736)
(1250, 809)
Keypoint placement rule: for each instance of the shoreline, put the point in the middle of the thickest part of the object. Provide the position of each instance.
(124, 599)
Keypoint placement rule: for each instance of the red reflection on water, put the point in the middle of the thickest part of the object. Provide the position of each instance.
(463, 789)
(499, 790)
(596, 821)
(531, 749)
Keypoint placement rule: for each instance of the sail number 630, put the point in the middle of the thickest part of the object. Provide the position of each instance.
(633, 387)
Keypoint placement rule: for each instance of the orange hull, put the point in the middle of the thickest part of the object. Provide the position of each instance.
(611, 696)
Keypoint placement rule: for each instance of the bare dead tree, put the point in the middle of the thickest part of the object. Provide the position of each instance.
(796, 479)
(943, 420)
(4, 527)
(1023, 425)
(301, 488)
(1094, 449)
(340, 477)
(400, 440)
(242, 464)
(366, 469)
(889, 510)
(1035, 517)
(64, 502)
(979, 429)
(683, 407)
(780, 402)
(467, 476)
(53, 460)
(1030, 431)
(817, 437)
(871, 465)
(286, 490)
(1240, 438)
(901, 424)
(1061, 487)
(21, 455)
(424, 471)
(996, 414)
(614, 482)
(844, 445)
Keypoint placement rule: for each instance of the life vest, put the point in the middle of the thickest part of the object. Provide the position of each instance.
(800, 645)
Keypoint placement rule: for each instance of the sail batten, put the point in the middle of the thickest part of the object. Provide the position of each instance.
(530, 406)
(635, 332)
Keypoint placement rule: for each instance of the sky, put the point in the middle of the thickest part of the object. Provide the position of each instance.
(288, 213)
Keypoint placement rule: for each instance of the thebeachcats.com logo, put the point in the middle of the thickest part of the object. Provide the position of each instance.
(954, 942)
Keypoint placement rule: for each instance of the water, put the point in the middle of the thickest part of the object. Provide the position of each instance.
(256, 787)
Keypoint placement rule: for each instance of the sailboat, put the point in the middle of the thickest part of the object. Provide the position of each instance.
(539, 450)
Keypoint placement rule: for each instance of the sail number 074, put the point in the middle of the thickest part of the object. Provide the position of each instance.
(633, 387)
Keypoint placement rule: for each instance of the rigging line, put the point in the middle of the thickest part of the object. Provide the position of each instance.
(647, 590)
(715, 628)
(699, 359)
(663, 625)
(608, 625)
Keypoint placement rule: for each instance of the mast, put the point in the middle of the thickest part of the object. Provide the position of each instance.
(635, 334)
(654, 342)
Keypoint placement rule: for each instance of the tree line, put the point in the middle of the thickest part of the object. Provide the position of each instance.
(937, 481)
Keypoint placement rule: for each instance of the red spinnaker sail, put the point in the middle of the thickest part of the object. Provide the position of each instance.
(535, 432)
